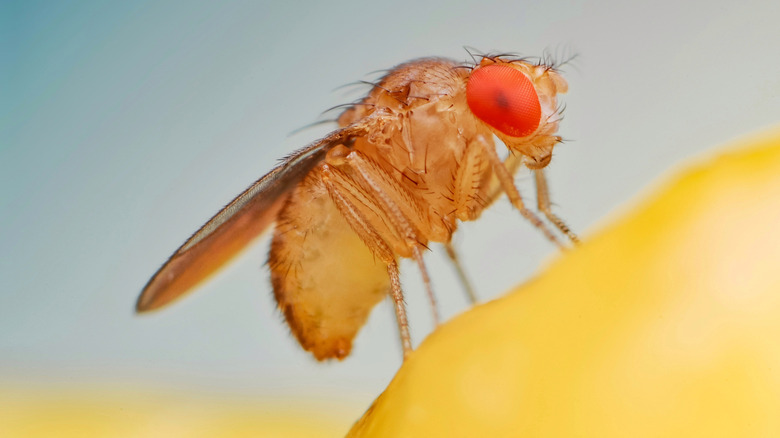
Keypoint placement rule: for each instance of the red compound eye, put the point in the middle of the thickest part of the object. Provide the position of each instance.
(505, 99)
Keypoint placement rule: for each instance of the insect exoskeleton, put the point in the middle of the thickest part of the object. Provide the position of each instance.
(410, 160)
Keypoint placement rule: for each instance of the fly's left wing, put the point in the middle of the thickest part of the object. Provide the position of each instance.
(242, 220)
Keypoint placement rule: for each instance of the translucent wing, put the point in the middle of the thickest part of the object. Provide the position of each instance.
(236, 225)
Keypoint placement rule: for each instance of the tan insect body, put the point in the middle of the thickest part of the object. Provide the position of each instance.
(409, 162)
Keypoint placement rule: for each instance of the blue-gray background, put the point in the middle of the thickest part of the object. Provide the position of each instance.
(125, 125)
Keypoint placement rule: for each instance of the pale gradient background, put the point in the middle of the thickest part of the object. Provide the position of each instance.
(125, 125)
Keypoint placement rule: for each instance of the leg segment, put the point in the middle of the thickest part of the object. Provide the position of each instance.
(427, 281)
(385, 217)
(543, 202)
(400, 307)
(507, 183)
(398, 205)
(512, 163)
(461, 272)
(339, 190)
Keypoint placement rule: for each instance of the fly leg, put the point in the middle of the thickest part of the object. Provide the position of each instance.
(507, 183)
(427, 282)
(404, 216)
(342, 192)
(513, 162)
(400, 307)
(464, 280)
(397, 205)
(543, 202)
(384, 215)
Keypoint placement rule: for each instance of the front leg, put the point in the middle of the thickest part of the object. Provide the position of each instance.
(508, 184)
(543, 202)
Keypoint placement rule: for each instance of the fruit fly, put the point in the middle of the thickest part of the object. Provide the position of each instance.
(409, 161)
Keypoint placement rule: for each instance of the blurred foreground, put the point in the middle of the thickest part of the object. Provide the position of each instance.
(117, 412)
